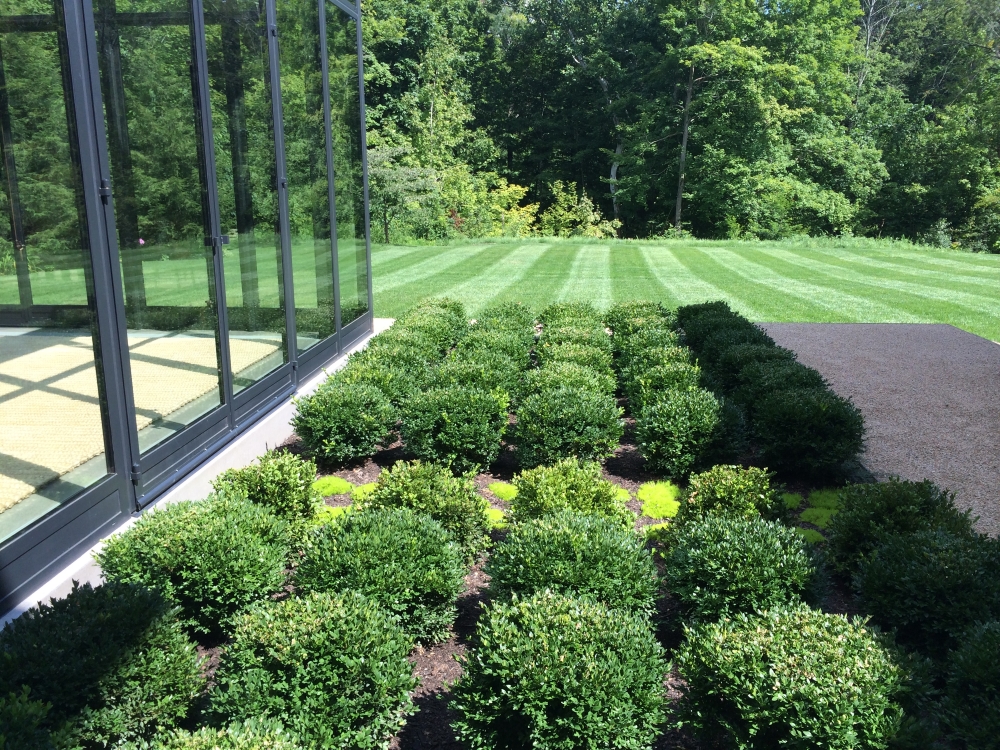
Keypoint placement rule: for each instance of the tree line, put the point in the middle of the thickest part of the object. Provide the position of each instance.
(713, 118)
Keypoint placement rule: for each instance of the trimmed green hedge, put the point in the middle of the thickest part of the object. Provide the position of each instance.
(403, 560)
(112, 664)
(434, 491)
(332, 669)
(249, 735)
(577, 555)
(554, 672)
(676, 430)
(555, 424)
(213, 557)
(971, 705)
(793, 678)
(730, 490)
(555, 375)
(570, 484)
(344, 422)
(721, 565)
(280, 481)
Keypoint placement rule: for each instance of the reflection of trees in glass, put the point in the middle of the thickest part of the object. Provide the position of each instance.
(46, 180)
(345, 111)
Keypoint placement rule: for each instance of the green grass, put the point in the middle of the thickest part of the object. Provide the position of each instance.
(660, 499)
(804, 280)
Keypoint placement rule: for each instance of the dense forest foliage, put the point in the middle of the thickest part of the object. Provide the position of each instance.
(718, 118)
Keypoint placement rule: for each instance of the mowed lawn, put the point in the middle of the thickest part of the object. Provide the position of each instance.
(851, 281)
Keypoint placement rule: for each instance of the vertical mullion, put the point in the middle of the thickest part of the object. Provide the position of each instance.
(331, 197)
(284, 222)
(111, 359)
(364, 169)
(204, 104)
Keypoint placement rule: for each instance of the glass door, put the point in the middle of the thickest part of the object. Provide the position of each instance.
(153, 93)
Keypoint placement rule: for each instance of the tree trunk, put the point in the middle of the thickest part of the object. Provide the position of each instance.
(684, 149)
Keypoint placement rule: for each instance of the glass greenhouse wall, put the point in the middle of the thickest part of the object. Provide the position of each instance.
(186, 238)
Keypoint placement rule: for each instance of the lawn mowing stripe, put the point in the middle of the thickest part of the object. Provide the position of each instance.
(590, 277)
(925, 302)
(755, 301)
(984, 266)
(680, 284)
(398, 297)
(632, 278)
(396, 263)
(847, 270)
(486, 286)
(425, 268)
(547, 277)
(922, 270)
(828, 296)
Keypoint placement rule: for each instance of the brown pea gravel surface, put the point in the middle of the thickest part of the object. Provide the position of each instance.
(929, 396)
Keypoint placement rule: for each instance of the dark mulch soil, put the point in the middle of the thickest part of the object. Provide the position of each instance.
(438, 666)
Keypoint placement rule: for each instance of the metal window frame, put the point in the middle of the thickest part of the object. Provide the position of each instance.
(134, 481)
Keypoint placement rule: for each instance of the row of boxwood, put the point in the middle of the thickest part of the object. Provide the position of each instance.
(315, 620)
(795, 422)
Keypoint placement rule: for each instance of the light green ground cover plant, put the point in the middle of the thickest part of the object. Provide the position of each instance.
(331, 485)
(823, 505)
(497, 518)
(504, 490)
(361, 492)
(329, 514)
(659, 499)
(776, 281)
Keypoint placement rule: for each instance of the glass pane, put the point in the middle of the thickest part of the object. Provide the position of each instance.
(154, 130)
(345, 111)
(308, 184)
(243, 128)
(52, 400)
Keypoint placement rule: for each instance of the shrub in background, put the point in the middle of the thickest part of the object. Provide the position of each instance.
(213, 557)
(577, 555)
(720, 341)
(627, 317)
(758, 379)
(930, 586)
(569, 313)
(642, 360)
(344, 422)
(482, 370)
(644, 387)
(403, 560)
(280, 481)
(555, 424)
(716, 308)
(871, 513)
(458, 427)
(676, 429)
(971, 706)
(569, 375)
(250, 735)
(730, 364)
(630, 347)
(395, 380)
(808, 432)
(584, 335)
(552, 672)
(515, 316)
(512, 344)
(790, 677)
(433, 490)
(730, 490)
(332, 669)
(108, 665)
(721, 565)
(581, 354)
(570, 484)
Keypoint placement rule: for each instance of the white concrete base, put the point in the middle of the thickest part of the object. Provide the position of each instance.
(272, 430)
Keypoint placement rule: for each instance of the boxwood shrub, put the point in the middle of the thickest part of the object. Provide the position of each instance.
(627, 317)
(791, 677)
(515, 316)
(213, 557)
(458, 427)
(730, 490)
(431, 489)
(342, 422)
(561, 422)
(584, 335)
(577, 555)
(250, 735)
(675, 431)
(483, 370)
(648, 337)
(716, 345)
(403, 560)
(280, 481)
(758, 379)
(332, 669)
(569, 375)
(561, 313)
(970, 709)
(808, 432)
(721, 565)
(581, 354)
(728, 368)
(930, 586)
(642, 360)
(22, 723)
(512, 344)
(643, 387)
(552, 671)
(396, 380)
(413, 345)
(103, 666)
(570, 484)
(871, 513)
